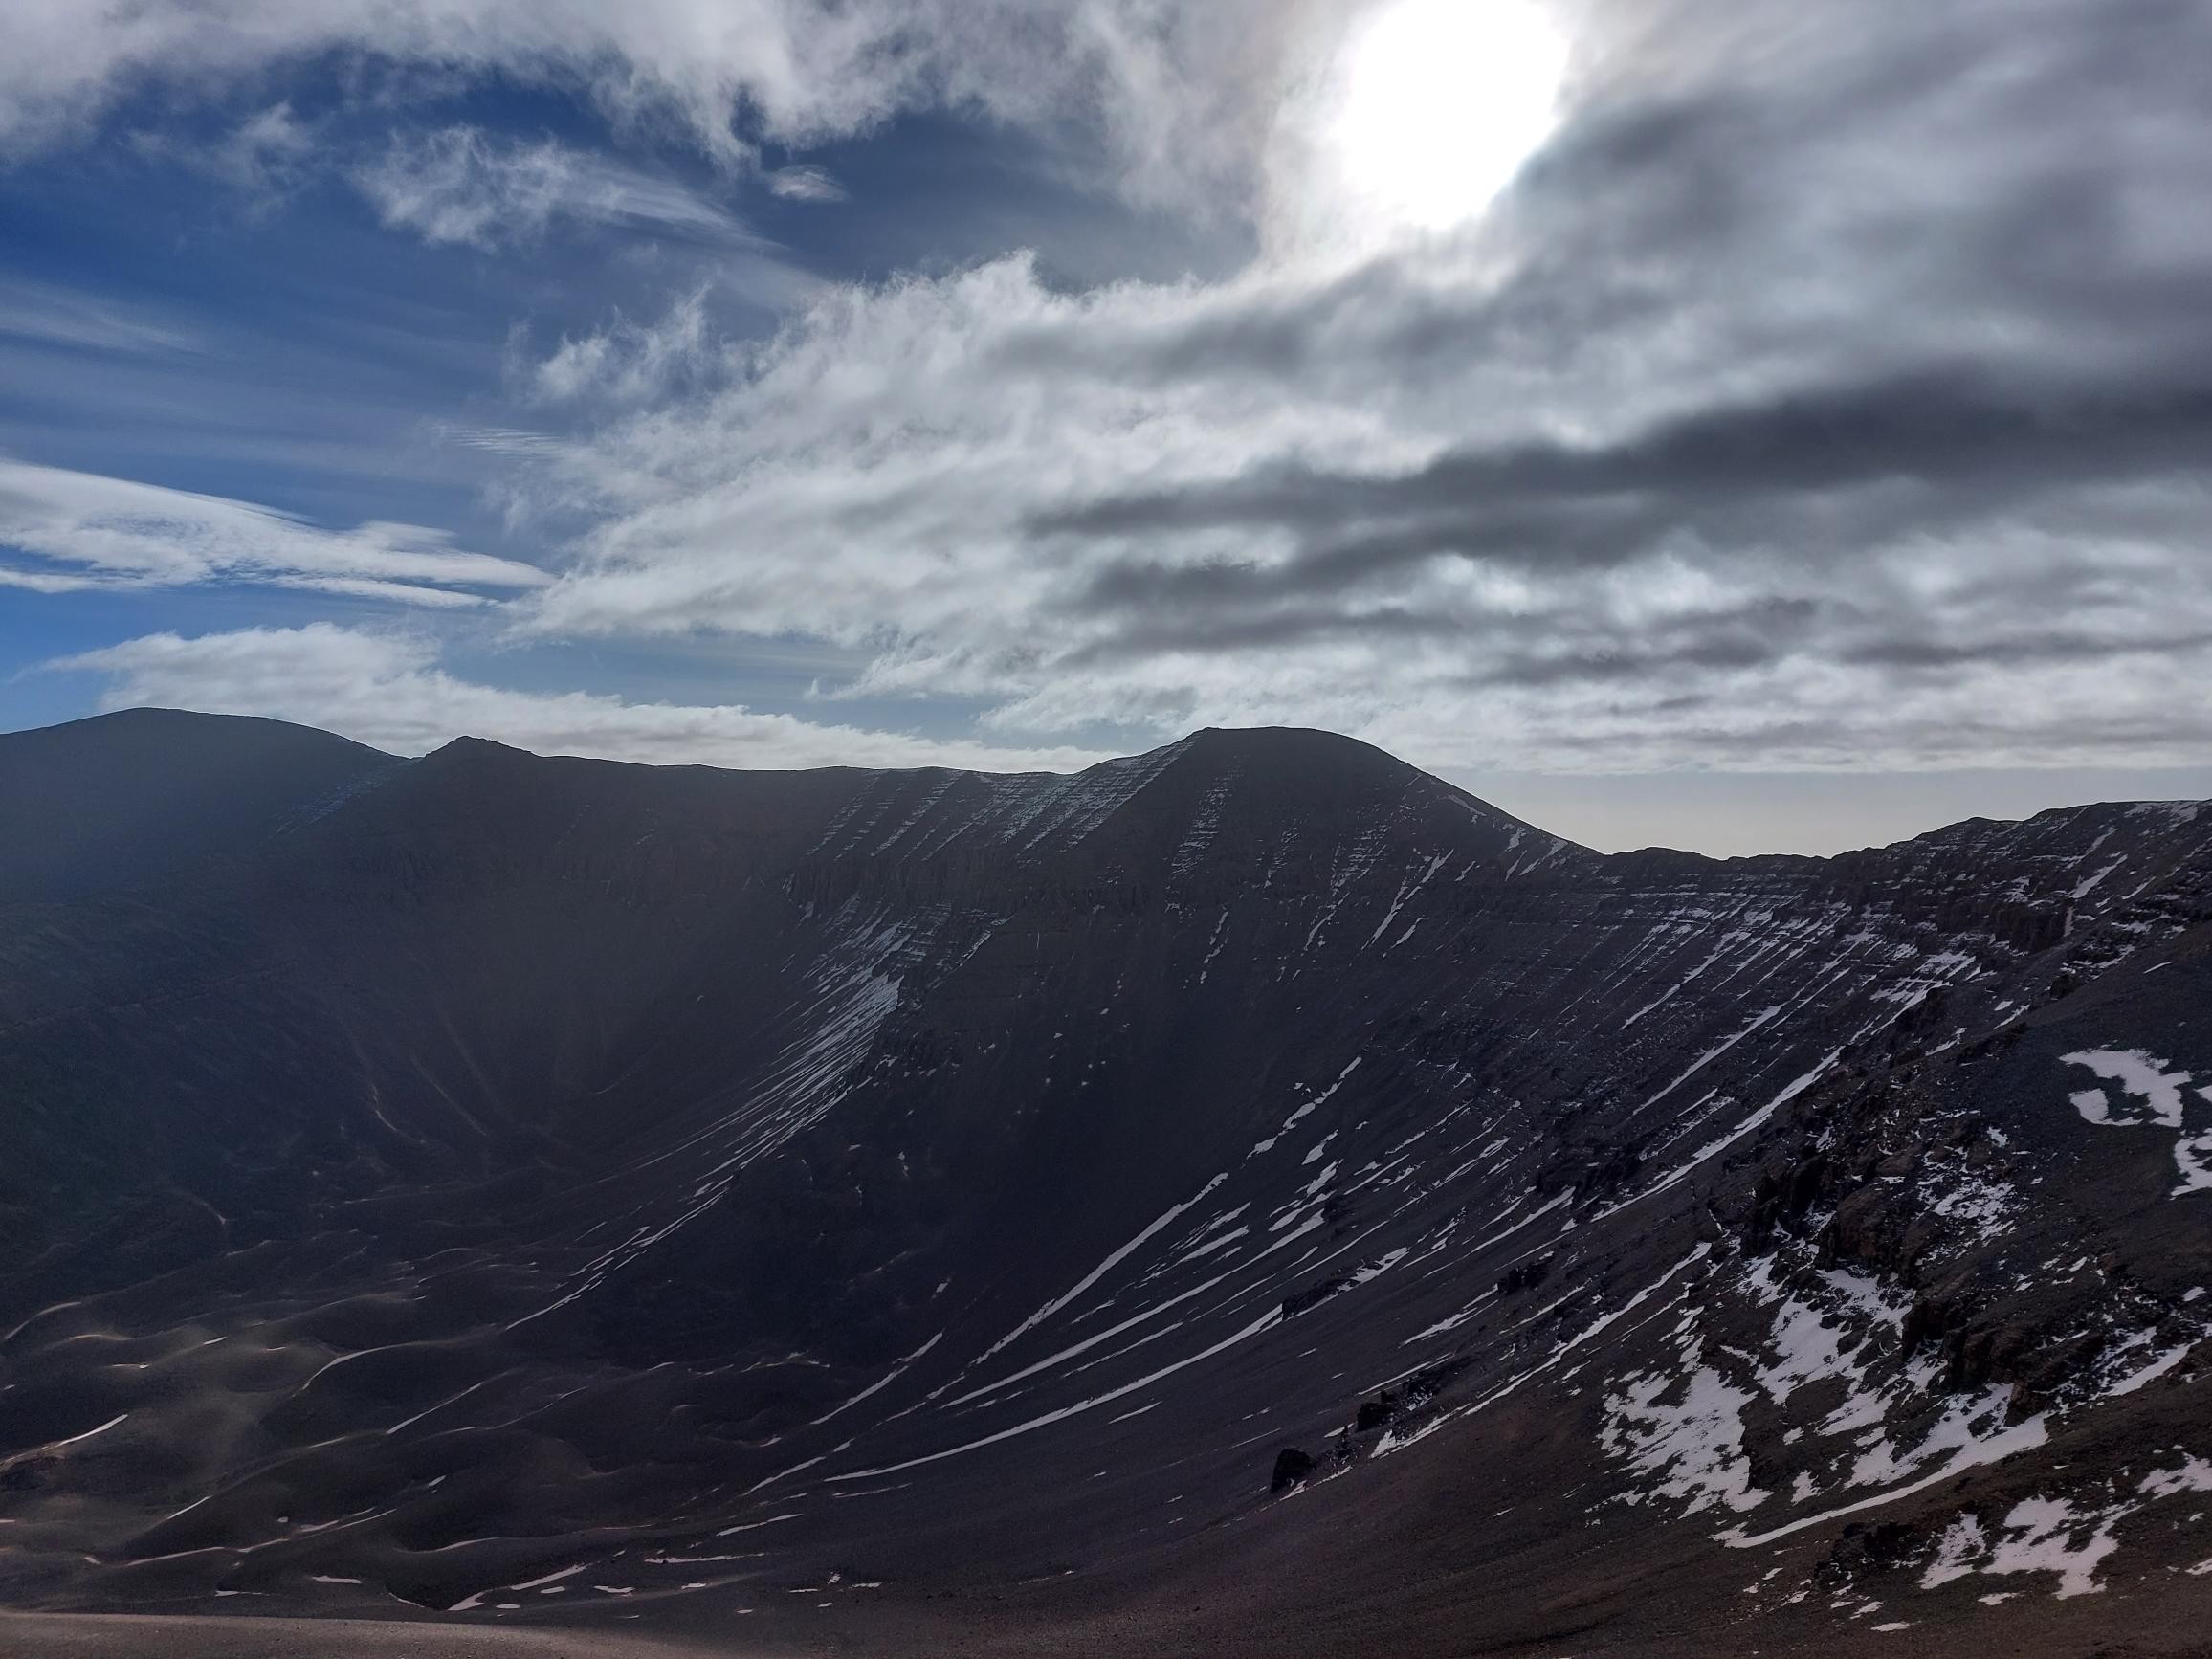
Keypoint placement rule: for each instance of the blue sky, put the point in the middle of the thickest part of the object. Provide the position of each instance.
(1663, 430)
(180, 309)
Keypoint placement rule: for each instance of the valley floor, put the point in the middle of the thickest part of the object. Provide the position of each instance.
(186, 1636)
(2171, 1624)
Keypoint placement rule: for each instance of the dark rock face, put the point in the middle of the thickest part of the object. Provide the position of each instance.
(1292, 1467)
(535, 1187)
(115, 801)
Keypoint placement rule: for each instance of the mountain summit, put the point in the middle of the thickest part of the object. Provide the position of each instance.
(1250, 1197)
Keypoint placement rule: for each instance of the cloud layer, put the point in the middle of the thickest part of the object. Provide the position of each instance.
(1174, 91)
(459, 183)
(1831, 390)
(80, 530)
(1819, 399)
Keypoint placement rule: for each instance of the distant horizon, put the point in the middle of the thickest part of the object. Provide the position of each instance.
(1794, 802)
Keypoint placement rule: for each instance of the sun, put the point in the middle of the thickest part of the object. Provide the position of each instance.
(1436, 104)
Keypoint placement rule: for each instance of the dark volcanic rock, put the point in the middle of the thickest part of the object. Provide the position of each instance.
(1291, 1466)
(537, 1189)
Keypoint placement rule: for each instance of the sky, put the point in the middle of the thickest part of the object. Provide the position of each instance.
(1743, 426)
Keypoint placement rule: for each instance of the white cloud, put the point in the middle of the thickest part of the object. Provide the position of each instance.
(113, 532)
(1816, 399)
(1167, 84)
(267, 149)
(1711, 506)
(51, 316)
(44, 581)
(459, 183)
(805, 183)
(628, 361)
(264, 156)
(387, 690)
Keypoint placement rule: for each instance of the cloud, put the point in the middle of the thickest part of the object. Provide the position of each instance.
(43, 315)
(805, 183)
(387, 690)
(1817, 399)
(631, 363)
(265, 156)
(1169, 90)
(1913, 571)
(1831, 390)
(103, 532)
(459, 183)
(267, 152)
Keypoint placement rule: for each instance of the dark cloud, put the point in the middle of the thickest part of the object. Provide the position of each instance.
(2038, 646)
(1932, 429)
(1801, 485)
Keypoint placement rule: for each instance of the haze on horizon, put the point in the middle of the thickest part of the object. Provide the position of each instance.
(1732, 428)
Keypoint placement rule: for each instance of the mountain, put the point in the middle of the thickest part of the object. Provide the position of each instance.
(126, 797)
(1249, 1198)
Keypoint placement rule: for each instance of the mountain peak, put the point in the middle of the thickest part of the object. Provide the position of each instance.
(118, 797)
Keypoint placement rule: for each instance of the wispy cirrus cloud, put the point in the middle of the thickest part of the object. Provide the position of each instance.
(263, 156)
(84, 530)
(805, 183)
(44, 314)
(631, 363)
(388, 690)
(460, 184)
(1176, 94)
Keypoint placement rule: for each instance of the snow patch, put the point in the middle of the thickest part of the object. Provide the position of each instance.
(1691, 1445)
(2150, 1094)
(2038, 1534)
(2142, 1077)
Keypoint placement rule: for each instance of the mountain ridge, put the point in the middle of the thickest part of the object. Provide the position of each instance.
(1228, 739)
(535, 1172)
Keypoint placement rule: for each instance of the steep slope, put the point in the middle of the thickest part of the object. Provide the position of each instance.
(124, 798)
(1252, 1177)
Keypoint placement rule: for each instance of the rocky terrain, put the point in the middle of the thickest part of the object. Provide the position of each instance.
(1252, 1197)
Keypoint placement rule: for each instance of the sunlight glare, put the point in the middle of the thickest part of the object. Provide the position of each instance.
(1439, 102)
